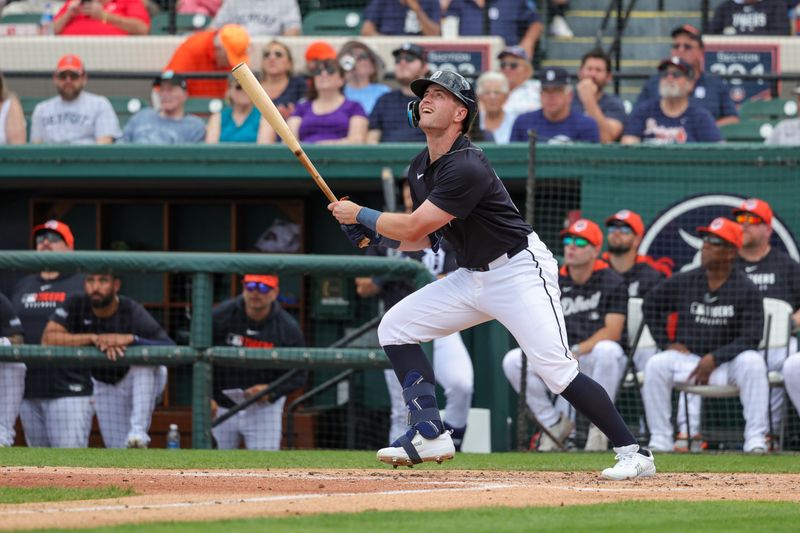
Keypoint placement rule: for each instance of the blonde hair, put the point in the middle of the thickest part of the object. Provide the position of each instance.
(285, 50)
(490, 76)
(4, 93)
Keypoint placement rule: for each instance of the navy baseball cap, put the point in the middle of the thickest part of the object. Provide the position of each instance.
(516, 51)
(690, 31)
(677, 62)
(170, 77)
(411, 48)
(553, 77)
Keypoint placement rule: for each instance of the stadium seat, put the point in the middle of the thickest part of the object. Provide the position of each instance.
(776, 109)
(747, 130)
(184, 23)
(21, 18)
(332, 22)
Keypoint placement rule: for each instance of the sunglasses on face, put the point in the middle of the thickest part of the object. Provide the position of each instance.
(263, 288)
(277, 54)
(407, 58)
(361, 56)
(713, 240)
(683, 46)
(512, 65)
(627, 230)
(677, 74)
(68, 75)
(330, 68)
(746, 218)
(580, 242)
(51, 236)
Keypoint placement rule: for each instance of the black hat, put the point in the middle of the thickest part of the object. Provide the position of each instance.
(689, 30)
(553, 77)
(453, 83)
(172, 77)
(411, 48)
(676, 62)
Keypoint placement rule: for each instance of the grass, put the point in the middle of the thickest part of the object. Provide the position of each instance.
(241, 459)
(57, 494)
(612, 518)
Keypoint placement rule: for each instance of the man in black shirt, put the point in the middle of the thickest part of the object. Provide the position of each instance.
(594, 301)
(253, 320)
(751, 17)
(12, 375)
(57, 407)
(124, 396)
(720, 323)
(506, 273)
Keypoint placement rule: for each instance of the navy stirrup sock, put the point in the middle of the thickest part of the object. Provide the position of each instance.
(407, 358)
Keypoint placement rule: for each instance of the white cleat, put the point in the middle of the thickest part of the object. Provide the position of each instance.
(631, 464)
(439, 449)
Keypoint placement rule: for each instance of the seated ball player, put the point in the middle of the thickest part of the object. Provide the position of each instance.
(12, 375)
(720, 323)
(124, 396)
(253, 320)
(594, 302)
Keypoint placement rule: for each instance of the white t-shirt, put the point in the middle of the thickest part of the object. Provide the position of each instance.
(525, 98)
(4, 107)
(81, 121)
(786, 133)
(502, 135)
(259, 17)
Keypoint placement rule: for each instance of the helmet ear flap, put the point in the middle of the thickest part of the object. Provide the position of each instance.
(413, 113)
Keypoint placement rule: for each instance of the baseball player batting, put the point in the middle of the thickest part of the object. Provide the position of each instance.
(505, 273)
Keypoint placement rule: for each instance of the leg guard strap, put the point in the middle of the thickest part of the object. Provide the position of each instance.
(413, 456)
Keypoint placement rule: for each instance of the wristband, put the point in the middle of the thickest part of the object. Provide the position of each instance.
(369, 218)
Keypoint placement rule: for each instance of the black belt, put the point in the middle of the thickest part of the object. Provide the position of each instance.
(511, 253)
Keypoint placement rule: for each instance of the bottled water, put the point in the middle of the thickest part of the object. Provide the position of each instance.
(173, 437)
(46, 22)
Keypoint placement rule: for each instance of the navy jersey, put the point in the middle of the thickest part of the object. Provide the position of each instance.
(765, 17)
(232, 327)
(610, 105)
(77, 317)
(577, 127)
(648, 122)
(10, 324)
(777, 276)
(462, 183)
(390, 117)
(510, 19)
(392, 18)
(294, 92)
(710, 91)
(724, 322)
(585, 306)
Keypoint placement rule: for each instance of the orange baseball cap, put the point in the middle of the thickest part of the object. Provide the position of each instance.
(587, 229)
(60, 228)
(756, 207)
(269, 280)
(235, 40)
(725, 229)
(70, 62)
(629, 218)
(320, 51)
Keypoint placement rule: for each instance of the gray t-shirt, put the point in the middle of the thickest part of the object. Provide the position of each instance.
(80, 121)
(259, 17)
(786, 133)
(148, 127)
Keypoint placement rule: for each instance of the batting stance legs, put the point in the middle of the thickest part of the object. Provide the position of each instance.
(12, 388)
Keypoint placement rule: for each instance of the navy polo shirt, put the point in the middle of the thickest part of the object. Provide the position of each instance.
(651, 125)
(610, 105)
(390, 115)
(577, 127)
(710, 91)
(392, 18)
(509, 19)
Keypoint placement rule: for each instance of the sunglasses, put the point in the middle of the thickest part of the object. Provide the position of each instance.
(509, 65)
(677, 74)
(622, 228)
(276, 53)
(683, 46)
(328, 67)
(403, 57)
(746, 218)
(263, 288)
(68, 75)
(713, 240)
(580, 242)
(51, 236)
(361, 56)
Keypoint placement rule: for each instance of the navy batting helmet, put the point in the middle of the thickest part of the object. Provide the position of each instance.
(453, 83)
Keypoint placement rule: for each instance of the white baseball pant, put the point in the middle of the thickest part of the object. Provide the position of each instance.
(521, 293)
(452, 367)
(260, 425)
(125, 409)
(747, 370)
(605, 364)
(791, 378)
(57, 423)
(12, 388)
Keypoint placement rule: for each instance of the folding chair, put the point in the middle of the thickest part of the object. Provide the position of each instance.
(777, 336)
(639, 338)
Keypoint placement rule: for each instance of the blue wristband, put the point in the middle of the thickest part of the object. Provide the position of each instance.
(369, 218)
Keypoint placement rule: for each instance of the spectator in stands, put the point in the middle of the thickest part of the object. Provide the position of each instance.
(238, 122)
(283, 87)
(751, 17)
(388, 122)
(606, 109)
(261, 18)
(787, 131)
(12, 375)
(170, 124)
(327, 117)
(211, 51)
(492, 91)
(364, 72)
(516, 21)
(57, 407)
(524, 92)
(720, 321)
(74, 116)
(402, 17)
(595, 301)
(674, 118)
(102, 17)
(124, 396)
(12, 119)
(709, 90)
(253, 320)
(319, 51)
(556, 122)
(208, 8)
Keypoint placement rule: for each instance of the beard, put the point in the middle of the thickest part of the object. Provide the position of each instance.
(619, 249)
(668, 90)
(99, 302)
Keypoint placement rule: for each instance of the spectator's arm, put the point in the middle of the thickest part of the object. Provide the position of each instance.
(428, 25)
(630, 139)
(609, 129)
(371, 14)
(130, 25)
(293, 31)
(722, 121)
(531, 37)
(356, 132)
(105, 139)
(68, 10)
(57, 335)
(634, 126)
(369, 29)
(107, 124)
(213, 129)
(15, 123)
(37, 126)
(366, 287)
(611, 331)
(266, 135)
(373, 136)
(294, 125)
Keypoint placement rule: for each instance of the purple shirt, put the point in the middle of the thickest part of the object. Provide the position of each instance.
(330, 126)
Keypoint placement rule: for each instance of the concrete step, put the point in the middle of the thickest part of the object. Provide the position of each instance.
(655, 24)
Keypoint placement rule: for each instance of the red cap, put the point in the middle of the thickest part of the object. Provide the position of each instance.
(60, 228)
(725, 229)
(587, 229)
(756, 207)
(630, 218)
(320, 51)
(70, 62)
(270, 280)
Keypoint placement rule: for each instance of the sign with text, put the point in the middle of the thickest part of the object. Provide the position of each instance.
(732, 59)
(469, 60)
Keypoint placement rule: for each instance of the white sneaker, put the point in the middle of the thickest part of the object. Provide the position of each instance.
(560, 28)
(439, 449)
(560, 430)
(596, 441)
(136, 442)
(631, 464)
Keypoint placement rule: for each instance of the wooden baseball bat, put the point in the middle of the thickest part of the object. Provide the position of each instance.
(264, 103)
